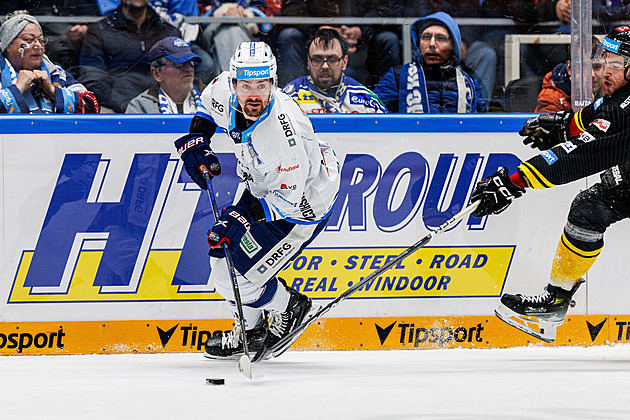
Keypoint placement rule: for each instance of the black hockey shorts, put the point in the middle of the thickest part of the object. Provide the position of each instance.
(593, 211)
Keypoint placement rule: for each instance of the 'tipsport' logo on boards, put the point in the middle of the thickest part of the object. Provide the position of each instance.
(186, 337)
(410, 334)
(23, 341)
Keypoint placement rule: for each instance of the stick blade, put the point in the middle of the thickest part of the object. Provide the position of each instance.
(245, 366)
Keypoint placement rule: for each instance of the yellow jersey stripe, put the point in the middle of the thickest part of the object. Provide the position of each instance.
(578, 121)
(535, 178)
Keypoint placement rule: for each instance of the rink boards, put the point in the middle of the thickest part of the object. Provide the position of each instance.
(381, 333)
(103, 238)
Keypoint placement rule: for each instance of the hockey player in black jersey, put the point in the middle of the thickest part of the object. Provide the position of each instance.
(574, 146)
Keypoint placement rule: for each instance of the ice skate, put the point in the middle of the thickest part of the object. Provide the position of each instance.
(229, 345)
(540, 315)
(281, 324)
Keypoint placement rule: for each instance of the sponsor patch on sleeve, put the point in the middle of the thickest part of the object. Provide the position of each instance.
(549, 156)
(568, 146)
(601, 124)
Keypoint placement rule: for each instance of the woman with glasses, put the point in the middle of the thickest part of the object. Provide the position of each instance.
(29, 82)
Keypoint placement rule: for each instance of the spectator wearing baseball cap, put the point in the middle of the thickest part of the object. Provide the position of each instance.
(173, 68)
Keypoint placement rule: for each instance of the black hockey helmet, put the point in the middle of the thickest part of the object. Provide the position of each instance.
(617, 42)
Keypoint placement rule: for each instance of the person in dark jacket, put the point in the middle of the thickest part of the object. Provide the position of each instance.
(435, 83)
(113, 61)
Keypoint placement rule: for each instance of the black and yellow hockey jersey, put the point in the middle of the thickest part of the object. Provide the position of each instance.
(603, 142)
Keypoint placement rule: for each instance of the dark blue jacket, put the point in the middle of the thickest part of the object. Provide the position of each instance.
(419, 87)
(113, 61)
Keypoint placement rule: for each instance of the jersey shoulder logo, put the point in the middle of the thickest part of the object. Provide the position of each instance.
(602, 124)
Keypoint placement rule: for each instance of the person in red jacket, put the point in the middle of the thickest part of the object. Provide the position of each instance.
(555, 95)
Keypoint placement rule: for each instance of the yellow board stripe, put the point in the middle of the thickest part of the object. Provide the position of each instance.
(535, 178)
(577, 251)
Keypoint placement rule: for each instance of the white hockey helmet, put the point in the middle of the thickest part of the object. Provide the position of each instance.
(253, 60)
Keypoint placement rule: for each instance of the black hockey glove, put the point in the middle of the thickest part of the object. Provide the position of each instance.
(234, 222)
(194, 149)
(546, 130)
(495, 193)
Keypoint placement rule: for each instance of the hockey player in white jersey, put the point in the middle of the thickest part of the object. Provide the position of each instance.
(291, 182)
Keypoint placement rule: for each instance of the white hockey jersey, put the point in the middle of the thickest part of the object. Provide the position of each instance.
(283, 163)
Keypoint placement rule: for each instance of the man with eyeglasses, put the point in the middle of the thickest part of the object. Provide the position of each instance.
(555, 95)
(29, 82)
(328, 89)
(594, 140)
(434, 82)
(290, 182)
(173, 68)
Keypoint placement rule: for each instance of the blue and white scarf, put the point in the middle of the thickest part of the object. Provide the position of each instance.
(37, 102)
(413, 96)
(191, 103)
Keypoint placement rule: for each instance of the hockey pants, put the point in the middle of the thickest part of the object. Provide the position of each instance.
(592, 212)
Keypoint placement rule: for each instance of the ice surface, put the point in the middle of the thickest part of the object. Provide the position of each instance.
(520, 383)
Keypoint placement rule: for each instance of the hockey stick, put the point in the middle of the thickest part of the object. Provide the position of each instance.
(244, 363)
(287, 340)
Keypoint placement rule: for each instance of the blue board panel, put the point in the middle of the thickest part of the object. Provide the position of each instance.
(364, 123)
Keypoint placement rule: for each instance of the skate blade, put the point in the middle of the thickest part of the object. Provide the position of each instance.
(541, 329)
(229, 358)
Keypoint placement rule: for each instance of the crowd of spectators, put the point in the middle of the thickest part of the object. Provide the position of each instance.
(108, 62)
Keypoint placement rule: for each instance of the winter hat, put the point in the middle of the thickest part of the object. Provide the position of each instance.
(12, 28)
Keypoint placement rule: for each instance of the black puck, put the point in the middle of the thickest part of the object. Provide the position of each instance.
(215, 381)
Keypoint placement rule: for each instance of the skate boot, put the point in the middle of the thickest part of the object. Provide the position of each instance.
(281, 324)
(229, 345)
(539, 315)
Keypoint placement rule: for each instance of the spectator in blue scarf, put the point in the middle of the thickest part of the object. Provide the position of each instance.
(435, 82)
(29, 82)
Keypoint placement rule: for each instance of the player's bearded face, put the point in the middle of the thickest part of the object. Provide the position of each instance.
(253, 95)
(614, 73)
